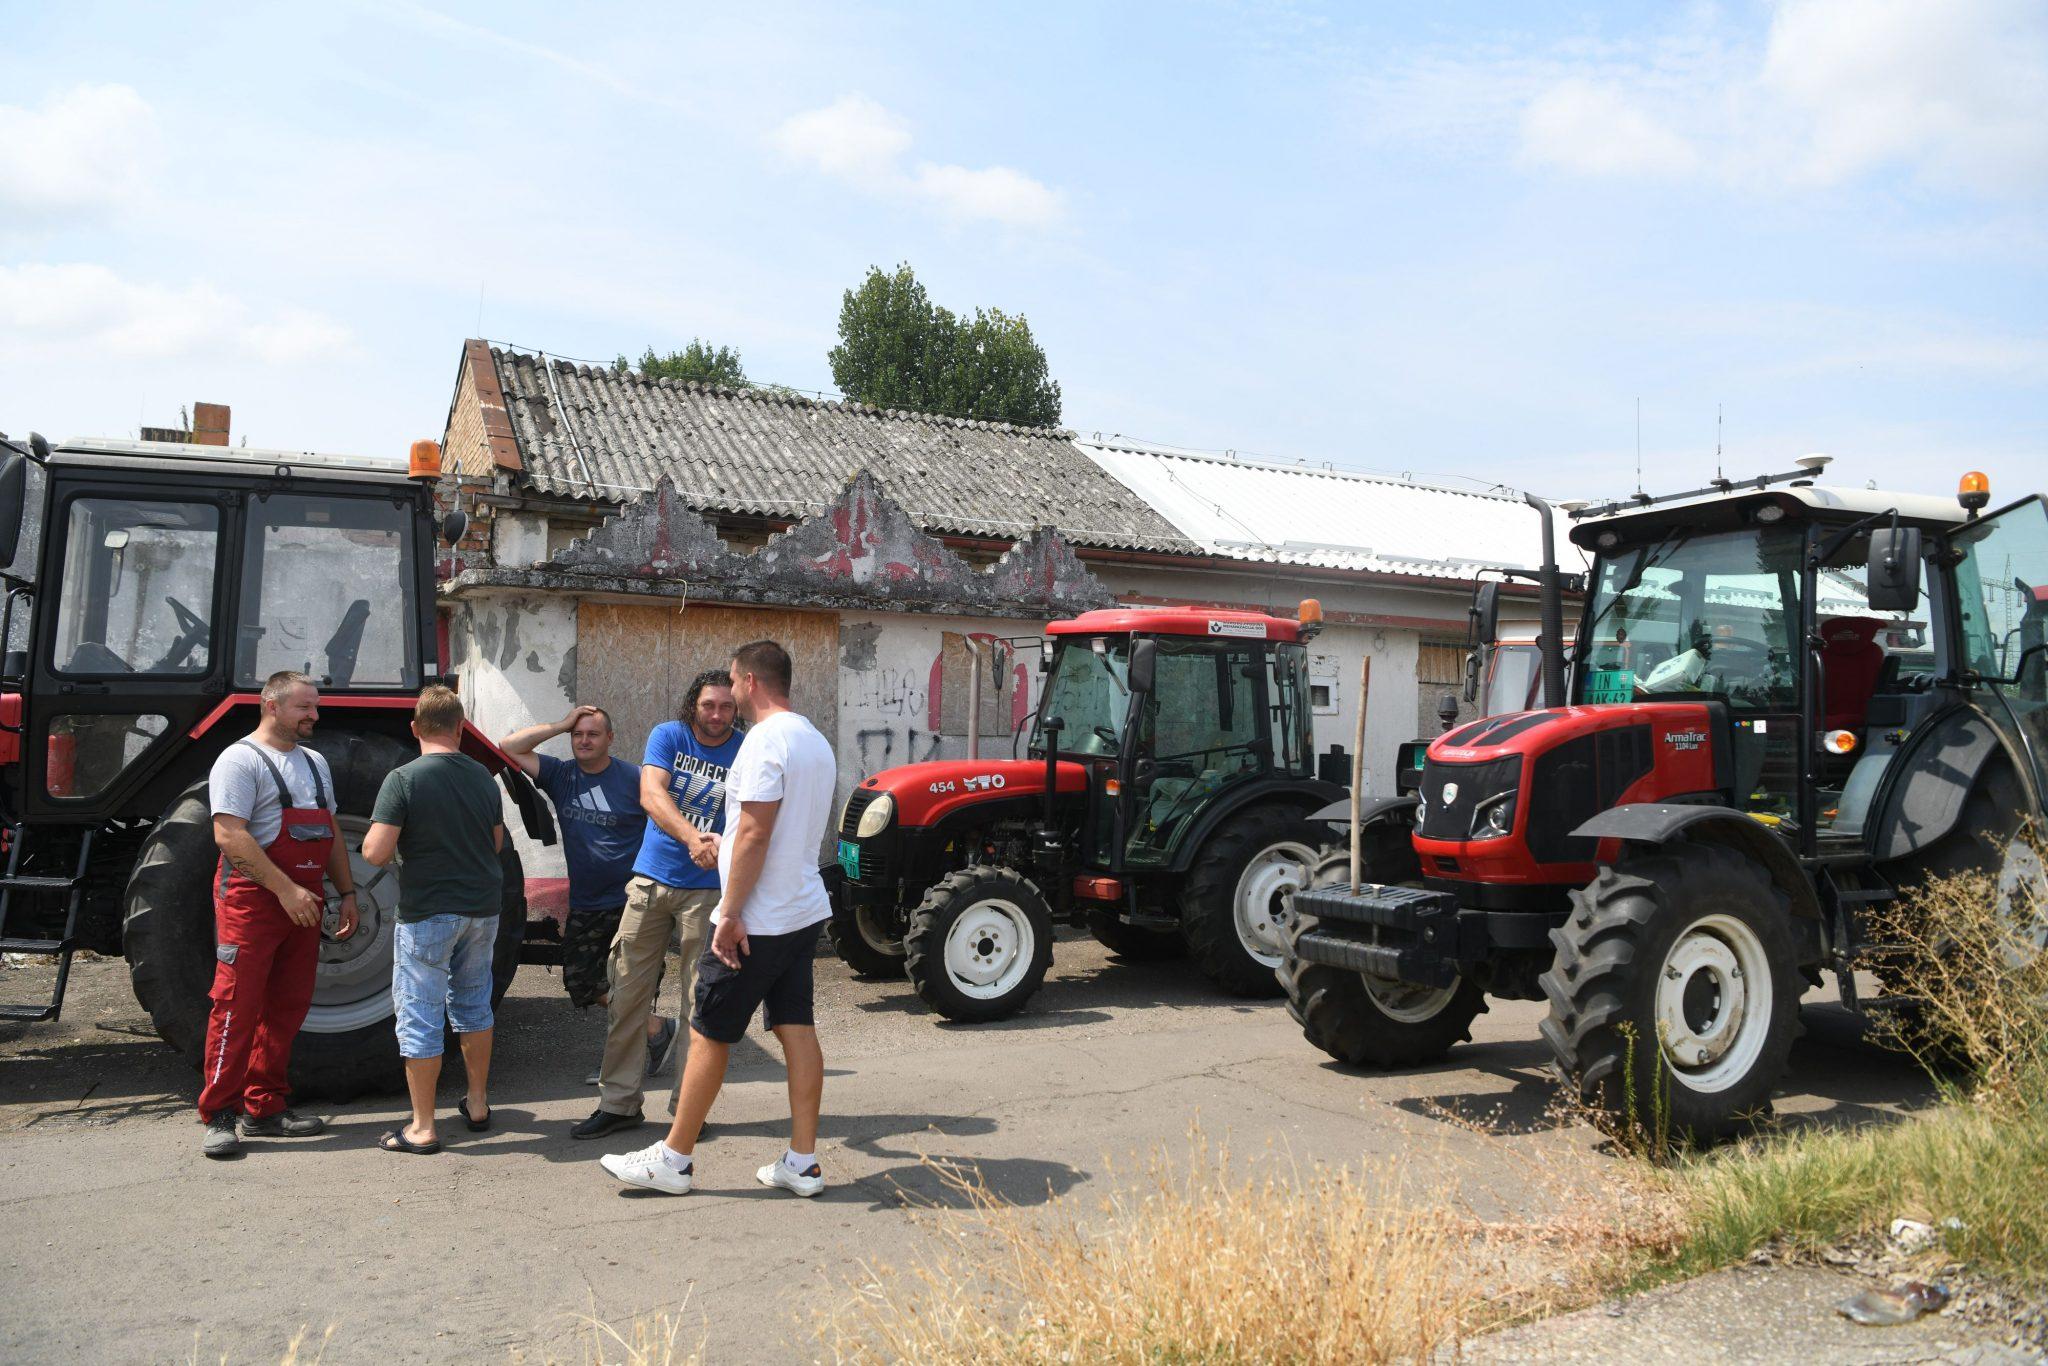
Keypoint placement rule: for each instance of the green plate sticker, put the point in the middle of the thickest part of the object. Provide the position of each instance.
(1610, 685)
(849, 858)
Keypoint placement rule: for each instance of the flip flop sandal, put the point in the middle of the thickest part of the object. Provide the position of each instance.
(476, 1126)
(397, 1142)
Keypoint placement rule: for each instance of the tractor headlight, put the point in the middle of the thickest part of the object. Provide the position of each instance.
(875, 819)
(1494, 818)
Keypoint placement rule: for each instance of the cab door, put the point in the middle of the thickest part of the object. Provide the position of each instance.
(2002, 588)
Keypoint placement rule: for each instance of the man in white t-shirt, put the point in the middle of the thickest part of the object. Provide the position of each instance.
(778, 799)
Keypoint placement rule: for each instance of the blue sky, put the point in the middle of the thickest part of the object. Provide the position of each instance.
(1452, 239)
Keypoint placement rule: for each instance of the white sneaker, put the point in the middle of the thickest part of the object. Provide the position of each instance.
(647, 1169)
(779, 1173)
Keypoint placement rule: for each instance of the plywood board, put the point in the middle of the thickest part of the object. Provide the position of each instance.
(637, 661)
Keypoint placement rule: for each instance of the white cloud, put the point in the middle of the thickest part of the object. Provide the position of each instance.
(1592, 129)
(86, 149)
(84, 308)
(857, 140)
(1957, 89)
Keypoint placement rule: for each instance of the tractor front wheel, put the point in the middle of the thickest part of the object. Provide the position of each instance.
(863, 940)
(1373, 1021)
(1236, 903)
(1674, 996)
(979, 944)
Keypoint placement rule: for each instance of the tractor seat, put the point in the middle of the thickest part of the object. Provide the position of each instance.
(1851, 660)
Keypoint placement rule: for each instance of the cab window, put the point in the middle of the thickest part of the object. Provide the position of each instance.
(137, 587)
(328, 590)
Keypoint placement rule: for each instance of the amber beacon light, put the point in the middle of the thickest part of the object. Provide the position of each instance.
(426, 460)
(1973, 491)
(1310, 615)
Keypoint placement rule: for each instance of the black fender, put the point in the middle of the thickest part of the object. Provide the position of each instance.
(1371, 810)
(1660, 822)
(1306, 793)
(1931, 777)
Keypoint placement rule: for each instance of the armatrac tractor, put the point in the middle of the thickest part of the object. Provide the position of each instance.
(1163, 803)
(1788, 704)
(150, 589)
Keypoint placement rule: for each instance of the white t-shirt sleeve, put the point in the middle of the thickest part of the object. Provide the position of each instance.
(757, 770)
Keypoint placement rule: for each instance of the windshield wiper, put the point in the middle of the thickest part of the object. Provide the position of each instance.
(1646, 559)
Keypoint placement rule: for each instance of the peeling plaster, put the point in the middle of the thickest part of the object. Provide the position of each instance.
(857, 646)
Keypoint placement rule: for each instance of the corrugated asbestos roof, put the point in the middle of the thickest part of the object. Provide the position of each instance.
(1288, 514)
(762, 453)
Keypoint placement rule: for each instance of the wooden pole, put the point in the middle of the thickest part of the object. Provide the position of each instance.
(1358, 762)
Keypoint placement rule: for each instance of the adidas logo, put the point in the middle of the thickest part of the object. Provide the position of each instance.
(592, 799)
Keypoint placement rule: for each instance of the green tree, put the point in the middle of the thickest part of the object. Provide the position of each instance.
(700, 361)
(897, 349)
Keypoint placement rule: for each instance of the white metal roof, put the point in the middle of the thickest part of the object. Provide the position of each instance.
(1314, 515)
(1919, 507)
(172, 454)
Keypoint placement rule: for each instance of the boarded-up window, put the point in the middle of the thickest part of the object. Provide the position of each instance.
(1439, 669)
(637, 661)
(997, 676)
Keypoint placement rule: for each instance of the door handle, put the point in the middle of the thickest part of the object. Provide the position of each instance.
(96, 689)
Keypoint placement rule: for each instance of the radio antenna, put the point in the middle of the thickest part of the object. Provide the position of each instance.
(1717, 442)
(1639, 443)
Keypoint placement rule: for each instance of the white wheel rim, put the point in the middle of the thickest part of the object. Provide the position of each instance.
(1401, 1001)
(1263, 905)
(1714, 1002)
(352, 987)
(989, 948)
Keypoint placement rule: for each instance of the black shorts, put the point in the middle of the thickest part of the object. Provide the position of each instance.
(775, 972)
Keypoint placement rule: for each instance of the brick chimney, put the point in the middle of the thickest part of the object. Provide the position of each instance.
(209, 424)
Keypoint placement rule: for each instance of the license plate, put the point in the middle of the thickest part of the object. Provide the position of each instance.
(849, 858)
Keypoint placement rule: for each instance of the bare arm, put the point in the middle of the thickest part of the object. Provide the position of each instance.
(239, 847)
(497, 839)
(749, 853)
(661, 809)
(520, 744)
(344, 879)
(380, 845)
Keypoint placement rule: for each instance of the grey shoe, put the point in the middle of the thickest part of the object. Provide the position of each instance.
(658, 1047)
(283, 1124)
(221, 1139)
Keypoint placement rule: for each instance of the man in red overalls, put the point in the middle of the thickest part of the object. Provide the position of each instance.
(273, 818)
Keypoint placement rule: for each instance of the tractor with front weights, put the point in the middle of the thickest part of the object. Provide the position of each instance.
(150, 589)
(1788, 705)
(1163, 804)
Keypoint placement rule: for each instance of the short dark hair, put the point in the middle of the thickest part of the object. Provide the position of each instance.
(609, 727)
(279, 685)
(710, 678)
(767, 661)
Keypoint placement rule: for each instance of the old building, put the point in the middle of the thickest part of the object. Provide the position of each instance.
(626, 533)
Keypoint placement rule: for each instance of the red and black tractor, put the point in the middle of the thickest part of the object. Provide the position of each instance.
(150, 589)
(1163, 804)
(1787, 705)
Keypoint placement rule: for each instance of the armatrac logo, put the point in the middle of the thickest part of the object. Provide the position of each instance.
(1250, 630)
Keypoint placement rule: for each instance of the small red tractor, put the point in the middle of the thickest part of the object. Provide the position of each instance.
(150, 589)
(1172, 767)
(1788, 704)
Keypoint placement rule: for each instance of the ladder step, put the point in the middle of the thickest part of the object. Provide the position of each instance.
(48, 1012)
(21, 882)
(36, 945)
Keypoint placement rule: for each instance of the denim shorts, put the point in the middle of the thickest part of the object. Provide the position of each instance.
(441, 976)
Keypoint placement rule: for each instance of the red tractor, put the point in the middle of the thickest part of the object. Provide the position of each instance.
(150, 589)
(1788, 704)
(1164, 805)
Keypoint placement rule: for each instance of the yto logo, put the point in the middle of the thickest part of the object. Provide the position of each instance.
(982, 782)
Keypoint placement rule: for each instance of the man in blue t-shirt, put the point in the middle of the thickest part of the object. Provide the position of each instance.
(674, 887)
(597, 806)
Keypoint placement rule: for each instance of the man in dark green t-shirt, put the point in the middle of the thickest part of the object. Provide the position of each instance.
(439, 816)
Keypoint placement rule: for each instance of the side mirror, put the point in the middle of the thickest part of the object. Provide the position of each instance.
(453, 525)
(1485, 614)
(1893, 578)
(1045, 656)
(13, 496)
(1471, 675)
(1144, 660)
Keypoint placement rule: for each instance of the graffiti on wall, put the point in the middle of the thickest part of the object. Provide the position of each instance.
(903, 712)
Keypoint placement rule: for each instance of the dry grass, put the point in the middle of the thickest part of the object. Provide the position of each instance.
(1199, 1261)
(651, 1339)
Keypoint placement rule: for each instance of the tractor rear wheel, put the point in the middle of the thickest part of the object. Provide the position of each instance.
(1371, 1021)
(979, 944)
(1134, 942)
(1234, 908)
(348, 1044)
(1674, 995)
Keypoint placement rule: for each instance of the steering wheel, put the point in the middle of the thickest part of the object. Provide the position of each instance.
(191, 634)
(1107, 736)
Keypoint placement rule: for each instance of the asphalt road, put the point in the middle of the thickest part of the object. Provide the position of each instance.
(119, 1242)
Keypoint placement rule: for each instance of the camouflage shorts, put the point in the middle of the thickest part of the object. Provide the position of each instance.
(586, 945)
